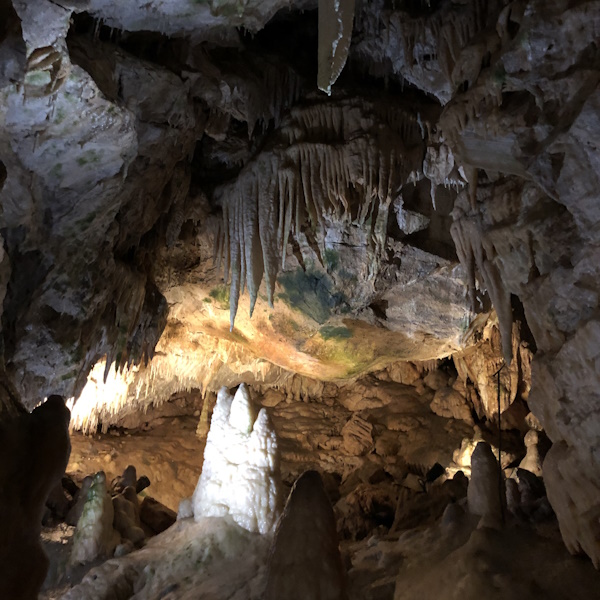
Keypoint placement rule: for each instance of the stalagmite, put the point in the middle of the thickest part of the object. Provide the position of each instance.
(484, 494)
(35, 450)
(95, 535)
(240, 476)
(305, 561)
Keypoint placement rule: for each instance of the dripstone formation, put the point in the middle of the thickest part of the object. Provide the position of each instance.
(312, 197)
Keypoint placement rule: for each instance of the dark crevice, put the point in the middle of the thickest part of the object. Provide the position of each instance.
(519, 315)
(379, 309)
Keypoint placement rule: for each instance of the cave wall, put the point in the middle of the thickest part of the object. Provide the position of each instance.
(536, 236)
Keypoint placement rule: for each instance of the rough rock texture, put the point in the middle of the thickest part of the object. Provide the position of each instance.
(477, 369)
(529, 226)
(357, 436)
(305, 561)
(240, 475)
(35, 449)
(486, 490)
(127, 518)
(449, 403)
(454, 561)
(95, 535)
(155, 515)
(129, 159)
(100, 132)
(188, 560)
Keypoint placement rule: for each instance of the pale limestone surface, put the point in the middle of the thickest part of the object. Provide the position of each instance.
(450, 404)
(240, 474)
(532, 461)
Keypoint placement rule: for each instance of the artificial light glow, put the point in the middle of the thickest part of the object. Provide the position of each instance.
(100, 398)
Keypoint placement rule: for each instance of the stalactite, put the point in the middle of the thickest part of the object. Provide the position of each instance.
(312, 179)
(267, 227)
(477, 259)
(235, 261)
(500, 297)
(252, 248)
(289, 211)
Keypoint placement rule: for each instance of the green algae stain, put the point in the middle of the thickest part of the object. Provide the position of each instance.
(220, 294)
(331, 259)
(311, 293)
(329, 332)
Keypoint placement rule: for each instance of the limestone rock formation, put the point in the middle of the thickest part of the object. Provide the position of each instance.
(532, 461)
(126, 516)
(156, 515)
(449, 403)
(35, 450)
(486, 491)
(572, 494)
(95, 535)
(240, 475)
(160, 159)
(74, 513)
(357, 436)
(305, 561)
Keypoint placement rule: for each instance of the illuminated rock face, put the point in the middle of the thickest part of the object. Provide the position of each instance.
(95, 150)
(240, 476)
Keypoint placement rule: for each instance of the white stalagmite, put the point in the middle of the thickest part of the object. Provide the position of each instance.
(240, 476)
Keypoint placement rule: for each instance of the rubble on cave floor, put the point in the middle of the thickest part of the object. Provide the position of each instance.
(395, 474)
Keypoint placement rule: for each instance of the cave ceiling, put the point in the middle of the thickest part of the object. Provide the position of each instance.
(248, 189)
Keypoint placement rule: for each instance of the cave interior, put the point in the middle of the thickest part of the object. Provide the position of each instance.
(300, 299)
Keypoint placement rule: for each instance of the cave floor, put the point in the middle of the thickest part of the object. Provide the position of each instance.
(445, 558)
(168, 453)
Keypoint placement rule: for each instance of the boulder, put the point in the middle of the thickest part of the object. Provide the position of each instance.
(368, 506)
(127, 516)
(155, 515)
(128, 478)
(358, 436)
(142, 483)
